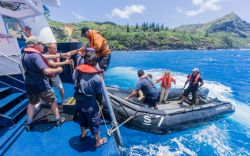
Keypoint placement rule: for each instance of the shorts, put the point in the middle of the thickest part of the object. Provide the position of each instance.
(56, 81)
(48, 97)
(192, 90)
(90, 118)
(104, 62)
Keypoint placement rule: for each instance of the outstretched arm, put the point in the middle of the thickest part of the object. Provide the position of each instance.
(59, 64)
(133, 93)
(49, 71)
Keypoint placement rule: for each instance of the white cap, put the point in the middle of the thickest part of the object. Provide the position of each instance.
(195, 70)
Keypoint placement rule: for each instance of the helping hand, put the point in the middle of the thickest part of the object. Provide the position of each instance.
(60, 69)
(68, 61)
(126, 98)
(66, 55)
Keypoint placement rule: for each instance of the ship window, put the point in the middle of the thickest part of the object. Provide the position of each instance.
(12, 26)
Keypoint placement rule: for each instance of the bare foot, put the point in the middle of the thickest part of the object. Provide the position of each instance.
(101, 142)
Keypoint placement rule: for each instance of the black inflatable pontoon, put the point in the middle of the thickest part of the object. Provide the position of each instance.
(170, 117)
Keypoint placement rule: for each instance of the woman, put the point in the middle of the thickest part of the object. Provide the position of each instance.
(165, 86)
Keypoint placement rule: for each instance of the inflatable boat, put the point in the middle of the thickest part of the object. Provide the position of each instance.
(169, 117)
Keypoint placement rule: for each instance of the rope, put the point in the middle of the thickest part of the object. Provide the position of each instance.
(100, 109)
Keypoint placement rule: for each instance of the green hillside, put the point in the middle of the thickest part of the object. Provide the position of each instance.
(227, 32)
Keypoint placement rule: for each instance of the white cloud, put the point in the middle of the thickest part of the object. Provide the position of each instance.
(77, 15)
(203, 6)
(127, 11)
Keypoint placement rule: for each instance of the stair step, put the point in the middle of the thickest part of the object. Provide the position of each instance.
(5, 91)
(15, 111)
(10, 101)
(9, 137)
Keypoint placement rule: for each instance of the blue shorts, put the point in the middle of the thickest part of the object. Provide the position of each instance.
(90, 118)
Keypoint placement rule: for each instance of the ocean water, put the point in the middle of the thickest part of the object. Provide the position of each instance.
(226, 74)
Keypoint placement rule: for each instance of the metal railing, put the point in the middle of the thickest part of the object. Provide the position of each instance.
(13, 60)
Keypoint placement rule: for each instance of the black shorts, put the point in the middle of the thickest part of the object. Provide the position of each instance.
(104, 62)
(193, 90)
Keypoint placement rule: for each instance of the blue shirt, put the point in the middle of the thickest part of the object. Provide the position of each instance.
(88, 86)
(147, 87)
(35, 80)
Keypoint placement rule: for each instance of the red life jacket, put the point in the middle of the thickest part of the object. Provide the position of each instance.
(85, 68)
(32, 50)
(196, 79)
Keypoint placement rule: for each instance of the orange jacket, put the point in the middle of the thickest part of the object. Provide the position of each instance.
(97, 42)
(166, 81)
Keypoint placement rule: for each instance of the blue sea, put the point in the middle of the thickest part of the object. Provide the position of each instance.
(226, 74)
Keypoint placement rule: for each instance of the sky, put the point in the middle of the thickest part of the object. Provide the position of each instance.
(171, 13)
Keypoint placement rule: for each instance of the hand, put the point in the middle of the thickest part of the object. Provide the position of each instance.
(82, 49)
(60, 69)
(126, 98)
(66, 55)
(68, 61)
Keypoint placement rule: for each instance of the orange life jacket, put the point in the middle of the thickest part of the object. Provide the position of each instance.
(166, 81)
(97, 42)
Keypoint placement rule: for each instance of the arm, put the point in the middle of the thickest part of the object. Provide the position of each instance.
(202, 83)
(185, 84)
(49, 71)
(173, 80)
(133, 93)
(98, 41)
(39, 62)
(58, 64)
(73, 52)
(157, 81)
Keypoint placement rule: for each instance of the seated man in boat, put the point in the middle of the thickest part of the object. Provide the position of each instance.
(165, 86)
(88, 90)
(36, 81)
(195, 82)
(54, 63)
(146, 85)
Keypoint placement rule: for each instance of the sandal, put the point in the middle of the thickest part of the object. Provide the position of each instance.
(101, 142)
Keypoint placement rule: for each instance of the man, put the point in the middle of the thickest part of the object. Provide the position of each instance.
(26, 33)
(195, 82)
(88, 90)
(148, 89)
(54, 63)
(100, 45)
(36, 81)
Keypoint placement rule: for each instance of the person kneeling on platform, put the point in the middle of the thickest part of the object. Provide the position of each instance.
(88, 90)
(195, 82)
(148, 88)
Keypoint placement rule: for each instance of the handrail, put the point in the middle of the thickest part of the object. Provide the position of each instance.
(14, 78)
(12, 86)
(19, 64)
